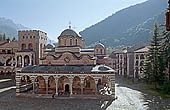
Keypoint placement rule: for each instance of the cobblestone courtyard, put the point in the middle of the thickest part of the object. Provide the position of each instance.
(129, 98)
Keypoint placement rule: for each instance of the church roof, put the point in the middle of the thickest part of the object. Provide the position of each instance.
(69, 32)
(49, 46)
(100, 45)
(66, 68)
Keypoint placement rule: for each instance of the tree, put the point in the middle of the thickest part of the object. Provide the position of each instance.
(4, 37)
(0, 37)
(166, 49)
(151, 68)
(13, 39)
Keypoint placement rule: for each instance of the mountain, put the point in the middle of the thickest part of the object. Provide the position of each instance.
(127, 26)
(10, 28)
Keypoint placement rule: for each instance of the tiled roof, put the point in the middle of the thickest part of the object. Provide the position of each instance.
(67, 68)
(144, 49)
(12, 44)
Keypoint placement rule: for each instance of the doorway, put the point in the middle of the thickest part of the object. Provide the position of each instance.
(67, 88)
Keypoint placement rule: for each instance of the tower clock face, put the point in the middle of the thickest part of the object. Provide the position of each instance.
(67, 59)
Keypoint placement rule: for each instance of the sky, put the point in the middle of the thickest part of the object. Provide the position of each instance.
(53, 16)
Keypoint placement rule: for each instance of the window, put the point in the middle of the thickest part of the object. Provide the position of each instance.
(30, 37)
(34, 37)
(23, 37)
(8, 51)
(87, 84)
(137, 63)
(70, 42)
(96, 50)
(101, 51)
(120, 56)
(65, 42)
(76, 42)
(3, 51)
(142, 56)
(30, 46)
(141, 63)
(137, 57)
(23, 47)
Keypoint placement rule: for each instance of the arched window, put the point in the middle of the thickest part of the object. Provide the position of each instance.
(137, 63)
(87, 84)
(76, 42)
(30, 46)
(142, 56)
(101, 51)
(137, 57)
(97, 51)
(23, 47)
(70, 42)
(65, 42)
(141, 63)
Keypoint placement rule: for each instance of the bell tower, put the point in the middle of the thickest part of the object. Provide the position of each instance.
(168, 17)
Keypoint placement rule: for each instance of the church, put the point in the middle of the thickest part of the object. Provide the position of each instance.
(68, 70)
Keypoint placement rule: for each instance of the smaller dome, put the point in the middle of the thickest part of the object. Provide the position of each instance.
(49, 46)
(69, 32)
(100, 45)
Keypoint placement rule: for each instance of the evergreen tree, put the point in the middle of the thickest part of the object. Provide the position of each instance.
(151, 68)
(4, 37)
(166, 49)
(13, 39)
(0, 37)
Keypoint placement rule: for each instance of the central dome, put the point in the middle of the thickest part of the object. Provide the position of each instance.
(69, 32)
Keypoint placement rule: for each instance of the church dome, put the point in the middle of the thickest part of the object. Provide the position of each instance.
(69, 32)
(100, 45)
(49, 46)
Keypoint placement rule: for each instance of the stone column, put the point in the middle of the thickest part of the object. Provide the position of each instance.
(71, 82)
(18, 79)
(46, 82)
(5, 62)
(112, 79)
(96, 81)
(56, 86)
(30, 58)
(82, 83)
(16, 61)
(33, 84)
(22, 61)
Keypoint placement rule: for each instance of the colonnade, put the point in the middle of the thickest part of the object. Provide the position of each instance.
(20, 60)
(96, 77)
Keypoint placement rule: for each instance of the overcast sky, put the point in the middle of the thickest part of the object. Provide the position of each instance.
(53, 16)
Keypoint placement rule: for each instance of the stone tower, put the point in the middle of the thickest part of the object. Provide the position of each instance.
(32, 40)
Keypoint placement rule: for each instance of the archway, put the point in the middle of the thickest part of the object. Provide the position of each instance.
(30, 47)
(76, 85)
(67, 88)
(19, 61)
(26, 60)
(23, 46)
(26, 84)
(89, 86)
(40, 86)
(51, 85)
(103, 86)
(63, 83)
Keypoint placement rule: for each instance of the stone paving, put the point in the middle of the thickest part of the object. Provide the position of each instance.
(128, 99)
